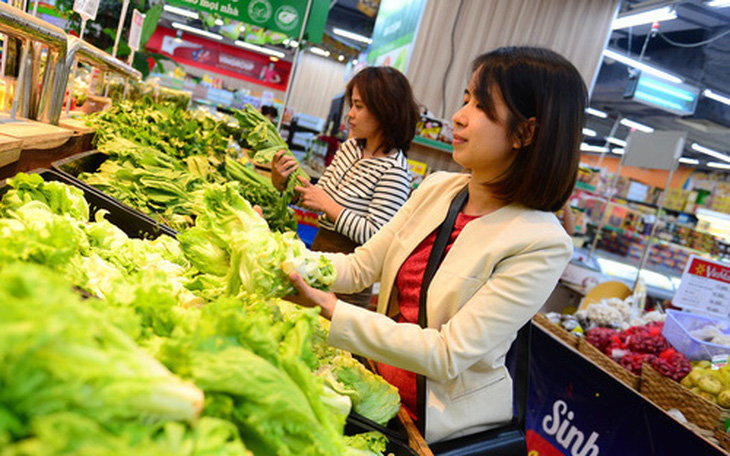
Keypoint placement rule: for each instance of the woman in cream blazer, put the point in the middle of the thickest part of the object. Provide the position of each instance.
(520, 143)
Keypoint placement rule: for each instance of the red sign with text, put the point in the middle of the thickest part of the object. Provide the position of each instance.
(221, 58)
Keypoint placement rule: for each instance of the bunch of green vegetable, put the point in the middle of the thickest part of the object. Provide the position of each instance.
(96, 256)
(145, 178)
(61, 358)
(253, 357)
(231, 238)
(265, 142)
(160, 155)
(176, 131)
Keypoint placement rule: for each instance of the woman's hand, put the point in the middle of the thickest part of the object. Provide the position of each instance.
(282, 166)
(311, 297)
(314, 198)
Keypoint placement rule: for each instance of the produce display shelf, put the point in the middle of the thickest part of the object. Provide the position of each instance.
(90, 161)
(133, 224)
(34, 135)
(9, 149)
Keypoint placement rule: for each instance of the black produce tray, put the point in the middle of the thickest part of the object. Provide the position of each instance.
(394, 431)
(89, 162)
(133, 223)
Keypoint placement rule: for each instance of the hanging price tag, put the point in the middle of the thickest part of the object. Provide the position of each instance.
(86, 8)
(135, 32)
(705, 288)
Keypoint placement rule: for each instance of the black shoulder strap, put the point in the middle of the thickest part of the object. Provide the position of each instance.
(434, 261)
(522, 373)
(438, 252)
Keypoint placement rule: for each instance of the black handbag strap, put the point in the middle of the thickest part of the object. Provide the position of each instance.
(522, 373)
(434, 261)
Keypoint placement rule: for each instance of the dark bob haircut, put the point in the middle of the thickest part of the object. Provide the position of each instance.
(388, 96)
(537, 84)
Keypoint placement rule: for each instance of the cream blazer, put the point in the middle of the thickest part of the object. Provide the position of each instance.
(498, 273)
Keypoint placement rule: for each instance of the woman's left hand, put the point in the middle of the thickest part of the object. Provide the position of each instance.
(316, 199)
(311, 297)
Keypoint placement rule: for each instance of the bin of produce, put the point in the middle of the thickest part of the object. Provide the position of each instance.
(133, 223)
(89, 162)
(395, 432)
(698, 337)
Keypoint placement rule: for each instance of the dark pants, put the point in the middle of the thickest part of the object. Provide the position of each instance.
(334, 242)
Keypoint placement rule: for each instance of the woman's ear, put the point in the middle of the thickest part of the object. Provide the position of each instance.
(525, 133)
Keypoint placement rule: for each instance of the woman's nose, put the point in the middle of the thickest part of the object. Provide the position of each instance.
(458, 118)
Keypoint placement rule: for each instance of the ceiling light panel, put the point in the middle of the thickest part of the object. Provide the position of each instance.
(636, 125)
(626, 60)
(351, 36)
(260, 49)
(197, 31)
(181, 12)
(665, 13)
(719, 165)
(716, 96)
(689, 161)
(596, 113)
(711, 152)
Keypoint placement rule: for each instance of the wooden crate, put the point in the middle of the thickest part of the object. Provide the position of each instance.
(609, 365)
(668, 394)
(564, 336)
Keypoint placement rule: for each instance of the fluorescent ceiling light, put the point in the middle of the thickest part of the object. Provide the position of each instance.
(716, 96)
(626, 60)
(718, 3)
(665, 13)
(319, 51)
(290, 42)
(689, 161)
(618, 142)
(719, 165)
(260, 49)
(617, 151)
(181, 12)
(197, 31)
(351, 35)
(590, 148)
(636, 125)
(712, 153)
(596, 112)
(219, 22)
(589, 132)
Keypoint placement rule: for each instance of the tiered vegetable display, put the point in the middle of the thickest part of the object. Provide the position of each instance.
(161, 157)
(73, 381)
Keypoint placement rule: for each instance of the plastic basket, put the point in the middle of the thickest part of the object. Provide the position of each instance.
(124, 218)
(678, 327)
(89, 162)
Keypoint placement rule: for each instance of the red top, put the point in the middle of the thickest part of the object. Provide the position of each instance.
(408, 281)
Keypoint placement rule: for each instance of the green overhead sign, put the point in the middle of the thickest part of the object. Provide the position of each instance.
(285, 16)
(395, 32)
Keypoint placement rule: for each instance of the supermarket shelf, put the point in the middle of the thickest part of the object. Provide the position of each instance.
(432, 143)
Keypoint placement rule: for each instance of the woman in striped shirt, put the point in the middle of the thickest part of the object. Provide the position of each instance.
(369, 179)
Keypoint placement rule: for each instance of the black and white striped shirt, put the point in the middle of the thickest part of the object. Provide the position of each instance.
(370, 189)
